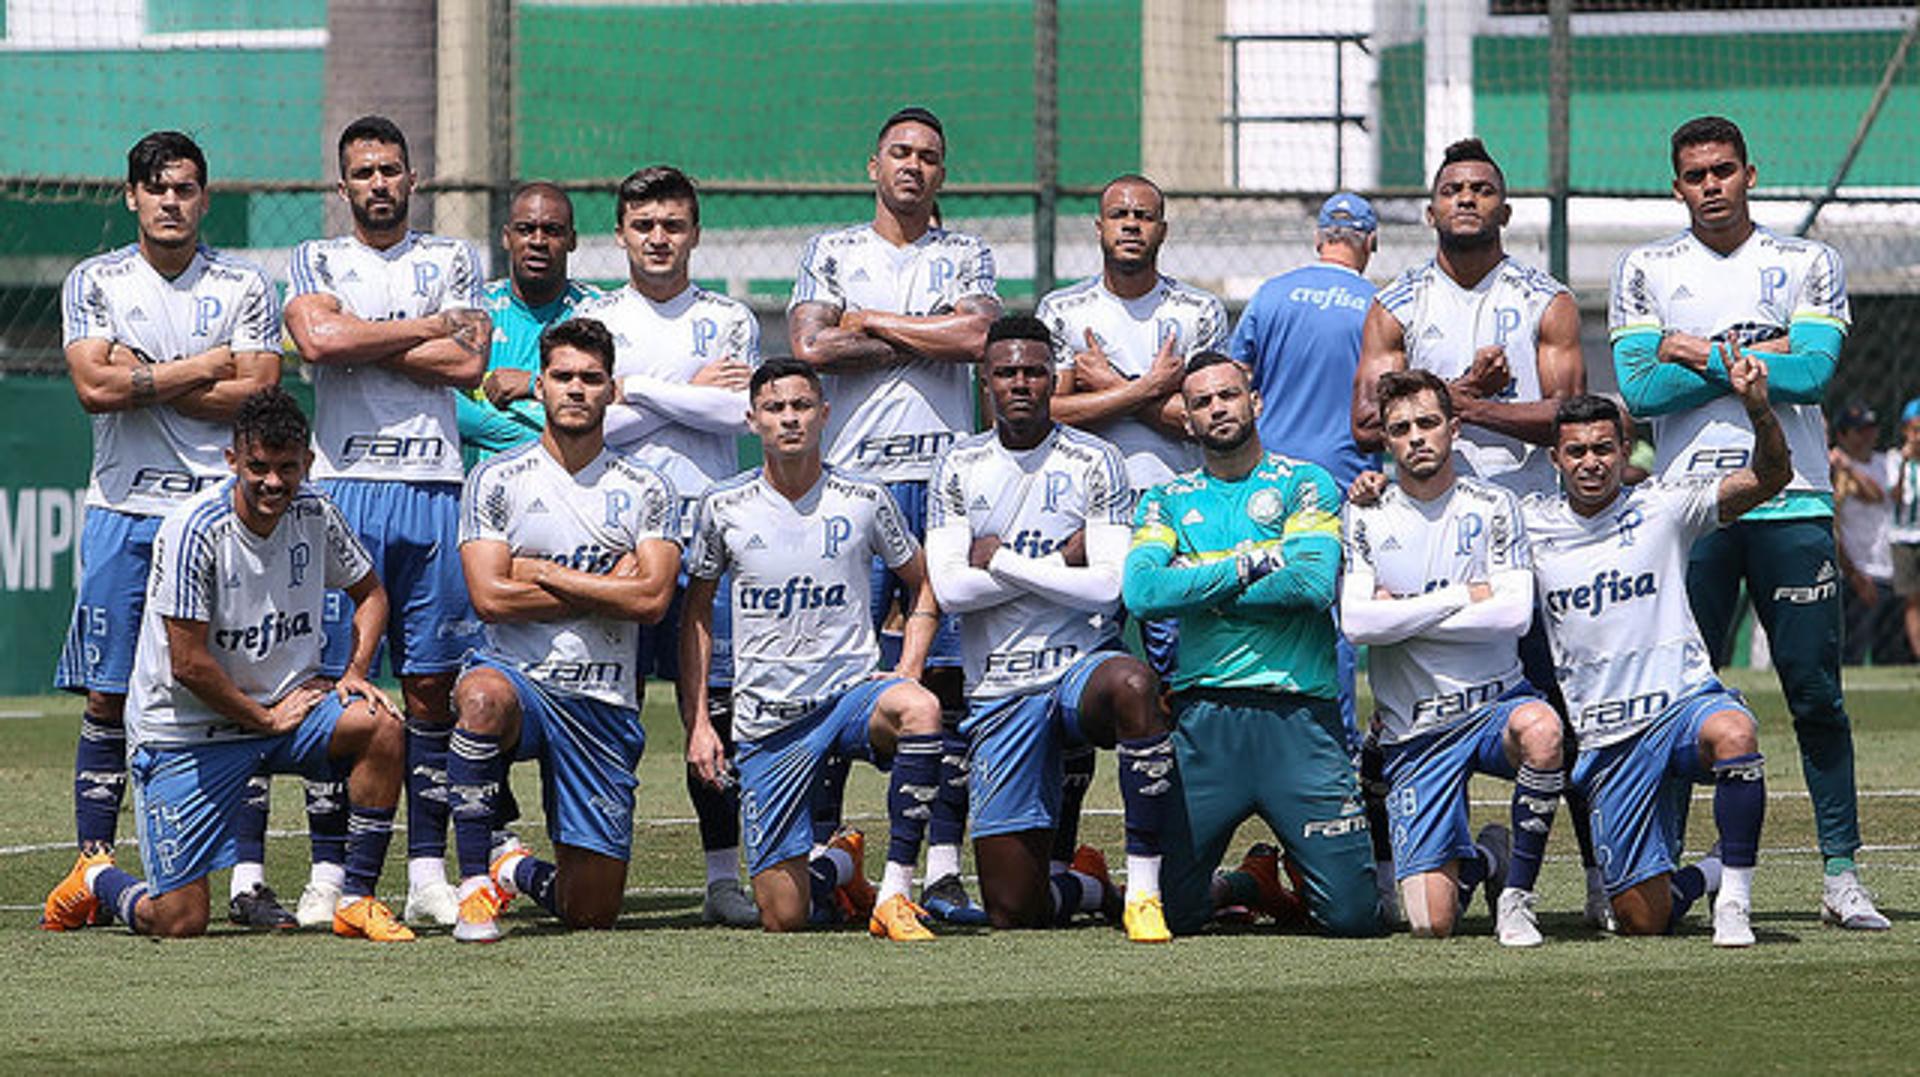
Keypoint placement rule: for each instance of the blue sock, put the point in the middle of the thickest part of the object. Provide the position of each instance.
(1076, 777)
(369, 832)
(99, 782)
(474, 771)
(1067, 891)
(250, 821)
(822, 878)
(1739, 807)
(949, 823)
(1146, 776)
(327, 821)
(911, 791)
(427, 788)
(1687, 885)
(120, 892)
(1536, 796)
(534, 878)
(829, 793)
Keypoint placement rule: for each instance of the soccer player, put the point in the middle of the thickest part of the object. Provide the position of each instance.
(1437, 586)
(1682, 309)
(389, 318)
(895, 314)
(1862, 518)
(227, 684)
(1610, 568)
(1027, 539)
(566, 545)
(535, 293)
(164, 338)
(798, 537)
(681, 363)
(1904, 535)
(1246, 552)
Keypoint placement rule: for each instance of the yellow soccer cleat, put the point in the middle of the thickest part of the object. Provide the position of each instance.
(480, 909)
(898, 918)
(367, 918)
(71, 904)
(856, 896)
(1146, 921)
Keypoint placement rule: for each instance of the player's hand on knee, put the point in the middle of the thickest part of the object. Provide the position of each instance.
(291, 709)
(352, 684)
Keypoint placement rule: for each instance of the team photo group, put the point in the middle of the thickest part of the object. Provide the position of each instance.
(1174, 537)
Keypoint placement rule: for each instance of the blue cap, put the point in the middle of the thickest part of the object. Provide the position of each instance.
(1348, 210)
(1911, 411)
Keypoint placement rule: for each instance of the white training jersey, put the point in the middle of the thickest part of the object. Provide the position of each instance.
(146, 460)
(1757, 292)
(371, 422)
(588, 521)
(893, 423)
(1613, 588)
(1034, 500)
(1411, 547)
(1444, 324)
(670, 342)
(801, 587)
(261, 598)
(1131, 332)
(1864, 528)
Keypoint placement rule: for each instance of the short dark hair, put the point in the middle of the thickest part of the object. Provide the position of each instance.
(373, 129)
(589, 335)
(156, 150)
(540, 187)
(1133, 177)
(1199, 361)
(655, 183)
(270, 418)
(782, 366)
(912, 114)
(1019, 327)
(1399, 384)
(1588, 408)
(1468, 149)
(1704, 129)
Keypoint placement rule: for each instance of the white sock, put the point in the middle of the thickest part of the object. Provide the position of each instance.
(843, 869)
(1093, 896)
(723, 864)
(245, 875)
(1736, 884)
(897, 880)
(325, 873)
(1143, 876)
(1715, 873)
(93, 873)
(942, 861)
(426, 871)
(1836, 883)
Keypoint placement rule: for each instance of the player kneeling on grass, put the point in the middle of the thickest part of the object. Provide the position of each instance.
(1437, 585)
(568, 547)
(1027, 539)
(799, 539)
(1611, 568)
(226, 684)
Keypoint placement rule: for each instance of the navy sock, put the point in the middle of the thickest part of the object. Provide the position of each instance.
(948, 826)
(1076, 773)
(822, 878)
(1581, 815)
(474, 771)
(1146, 776)
(369, 832)
(327, 821)
(1687, 885)
(250, 820)
(427, 788)
(1067, 891)
(911, 791)
(1536, 796)
(120, 892)
(534, 878)
(99, 782)
(828, 795)
(1739, 807)
(717, 809)
(1373, 797)
(1473, 871)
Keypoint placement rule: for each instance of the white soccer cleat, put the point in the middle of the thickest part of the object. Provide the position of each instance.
(1847, 904)
(1730, 923)
(316, 905)
(1514, 921)
(432, 903)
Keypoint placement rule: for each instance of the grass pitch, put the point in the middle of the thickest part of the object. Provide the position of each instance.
(662, 991)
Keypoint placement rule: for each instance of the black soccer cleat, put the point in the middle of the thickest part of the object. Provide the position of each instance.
(260, 908)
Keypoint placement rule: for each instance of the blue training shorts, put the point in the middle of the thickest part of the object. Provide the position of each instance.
(411, 530)
(1639, 789)
(184, 798)
(1013, 752)
(660, 643)
(911, 497)
(778, 772)
(116, 549)
(1427, 775)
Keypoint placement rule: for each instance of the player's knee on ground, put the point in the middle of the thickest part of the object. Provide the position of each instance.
(1728, 735)
(1646, 908)
(1430, 901)
(1013, 879)
(177, 914)
(1351, 908)
(428, 697)
(591, 888)
(784, 894)
(485, 700)
(1536, 729)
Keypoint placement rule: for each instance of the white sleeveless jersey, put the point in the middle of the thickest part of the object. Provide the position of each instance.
(1681, 284)
(892, 424)
(1131, 332)
(147, 460)
(587, 521)
(1613, 588)
(371, 422)
(672, 341)
(801, 588)
(1034, 500)
(1444, 324)
(1411, 547)
(261, 599)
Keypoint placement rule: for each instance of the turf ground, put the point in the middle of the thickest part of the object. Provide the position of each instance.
(663, 991)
